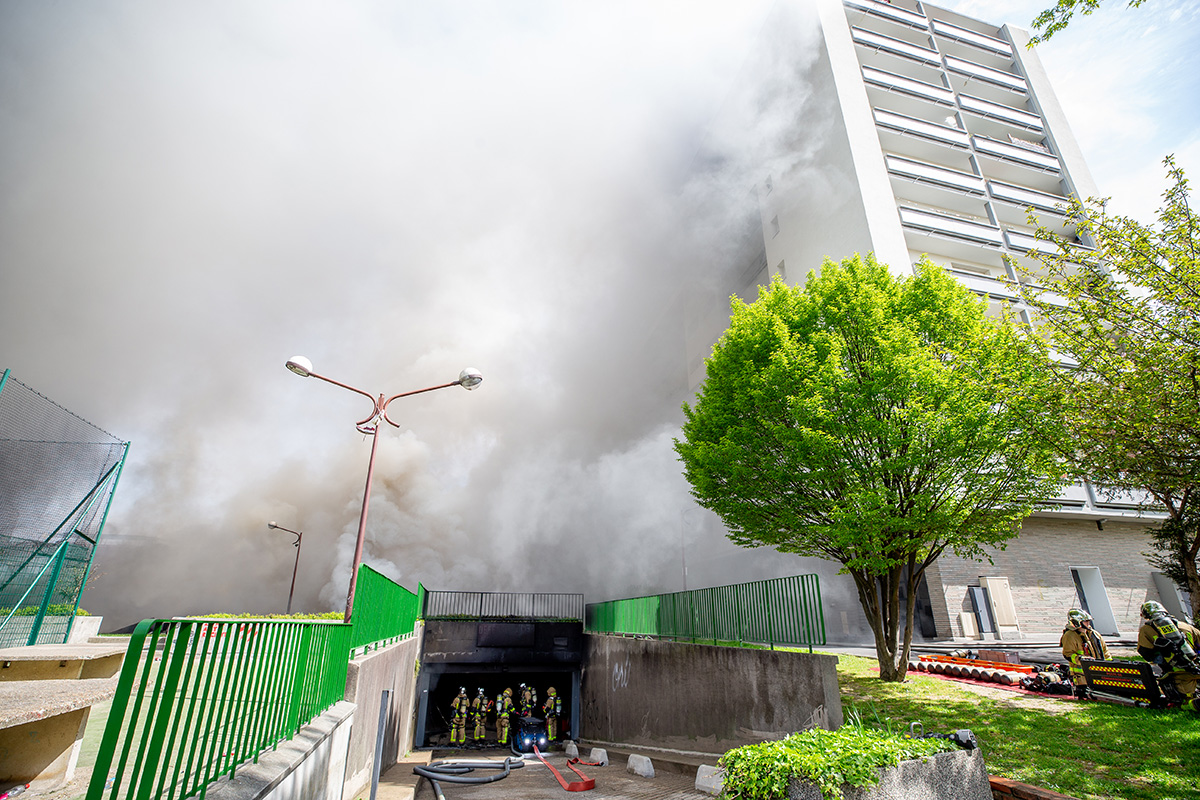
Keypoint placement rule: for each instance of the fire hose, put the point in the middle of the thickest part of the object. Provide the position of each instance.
(574, 786)
(455, 771)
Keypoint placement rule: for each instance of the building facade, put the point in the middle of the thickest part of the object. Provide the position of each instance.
(913, 131)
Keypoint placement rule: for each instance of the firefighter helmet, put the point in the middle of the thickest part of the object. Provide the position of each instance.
(1152, 608)
(481, 691)
(462, 690)
(1076, 618)
(508, 692)
(550, 691)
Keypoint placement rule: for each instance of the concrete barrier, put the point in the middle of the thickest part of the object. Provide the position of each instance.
(392, 668)
(700, 697)
(958, 775)
(311, 766)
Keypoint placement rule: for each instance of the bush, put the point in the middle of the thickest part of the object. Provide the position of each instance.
(52, 610)
(850, 755)
(297, 617)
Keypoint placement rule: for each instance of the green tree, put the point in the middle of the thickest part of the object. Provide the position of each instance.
(1053, 20)
(876, 421)
(1124, 303)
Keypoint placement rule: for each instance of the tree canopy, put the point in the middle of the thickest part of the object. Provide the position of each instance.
(1054, 19)
(1124, 303)
(873, 420)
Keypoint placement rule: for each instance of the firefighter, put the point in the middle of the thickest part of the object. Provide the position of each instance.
(1079, 641)
(458, 723)
(504, 710)
(528, 700)
(479, 711)
(1171, 644)
(551, 710)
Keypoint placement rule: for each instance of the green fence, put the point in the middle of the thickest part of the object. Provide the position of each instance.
(58, 473)
(783, 611)
(198, 698)
(383, 609)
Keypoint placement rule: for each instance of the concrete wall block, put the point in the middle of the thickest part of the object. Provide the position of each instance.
(664, 694)
(710, 780)
(310, 766)
(598, 756)
(571, 750)
(392, 668)
(640, 765)
(958, 775)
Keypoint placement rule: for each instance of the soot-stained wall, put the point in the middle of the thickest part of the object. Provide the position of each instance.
(700, 697)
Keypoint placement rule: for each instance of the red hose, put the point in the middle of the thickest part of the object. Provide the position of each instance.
(575, 786)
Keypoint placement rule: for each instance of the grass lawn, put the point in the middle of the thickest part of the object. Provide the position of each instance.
(1088, 750)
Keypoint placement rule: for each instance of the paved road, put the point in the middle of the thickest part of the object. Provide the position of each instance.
(535, 782)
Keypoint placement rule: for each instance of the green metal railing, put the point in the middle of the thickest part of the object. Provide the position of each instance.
(383, 609)
(210, 696)
(783, 611)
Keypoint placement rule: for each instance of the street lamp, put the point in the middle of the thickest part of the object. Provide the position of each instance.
(299, 536)
(469, 378)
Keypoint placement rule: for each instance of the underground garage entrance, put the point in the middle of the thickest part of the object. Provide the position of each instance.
(495, 641)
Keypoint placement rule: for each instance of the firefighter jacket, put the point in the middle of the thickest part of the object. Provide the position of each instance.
(460, 705)
(1080, 643)
(1152, 648)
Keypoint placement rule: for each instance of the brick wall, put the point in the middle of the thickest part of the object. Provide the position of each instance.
(1037, 564)
(1004, 789)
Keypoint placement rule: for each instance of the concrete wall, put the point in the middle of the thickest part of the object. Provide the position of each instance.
(311, 766)
(1037, 565)
(393, 668)
(702, 698)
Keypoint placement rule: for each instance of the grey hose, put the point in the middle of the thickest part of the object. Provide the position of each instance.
(455, 771)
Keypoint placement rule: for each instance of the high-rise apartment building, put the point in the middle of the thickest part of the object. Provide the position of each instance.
(910, 130)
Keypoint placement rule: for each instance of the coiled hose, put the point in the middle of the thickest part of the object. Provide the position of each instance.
(455, 771)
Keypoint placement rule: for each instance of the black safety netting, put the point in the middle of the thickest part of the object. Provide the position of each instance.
(57, 475)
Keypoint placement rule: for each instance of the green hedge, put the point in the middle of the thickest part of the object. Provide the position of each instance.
(850, 755)
(52, 610)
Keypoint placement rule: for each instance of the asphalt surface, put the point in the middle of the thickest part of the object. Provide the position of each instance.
(535, 782)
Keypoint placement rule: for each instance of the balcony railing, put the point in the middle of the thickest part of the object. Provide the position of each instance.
(973, 38)
(991, 287)
(986, 108)
(995, 76)
(928, 173)
(1021, 155)
(956, 137)
(889, 11)
(908, 86)
(1027, 197)
(895, 46)
(1024, 243)
(954, 227)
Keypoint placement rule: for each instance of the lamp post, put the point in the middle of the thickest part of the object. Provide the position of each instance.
(469, 378)
(299, 536)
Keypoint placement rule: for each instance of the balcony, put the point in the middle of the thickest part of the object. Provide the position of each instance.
(1024, 243)
(996, 288)
(908, 87)
(997, 111)
(1018, 165)
(949, 226)
(975, 39)
(890, 12)
(888, 44)
(953, 136)
(1021, 196)
(996, 77)
(929, 173)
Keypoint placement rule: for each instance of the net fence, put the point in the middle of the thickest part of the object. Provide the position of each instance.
(57, 476)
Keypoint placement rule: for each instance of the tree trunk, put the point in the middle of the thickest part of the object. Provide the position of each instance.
(879, 597)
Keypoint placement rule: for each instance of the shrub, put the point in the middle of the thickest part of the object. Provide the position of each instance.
(850, 755)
